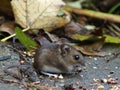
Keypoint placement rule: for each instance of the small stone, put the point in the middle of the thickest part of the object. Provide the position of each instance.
(109, 53)
(89, 63)
(81, 76)
(112, 81)
(94, 67)
(22, 62)
(90, 57)
(95, 59)
(25, 52)
(115, 87)
(77, 83)
(116, 67)
(104, 80)
(111, 72)
(96, 80)
(29, 54)
(84, 68)
(32, 59)
(60, 76)
(109, 76)
(100, 87)
(106, 68)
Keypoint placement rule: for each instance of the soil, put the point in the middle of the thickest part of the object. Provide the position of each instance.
(99, 75)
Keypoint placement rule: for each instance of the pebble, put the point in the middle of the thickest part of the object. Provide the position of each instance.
(77, 83)
(109, 53)
(94, 67)
(95, 59)
(60, 76)
(90, 57)
(109, 76)
(104, 80)
(96, 80)
(107, 68)
(112, 72)
(116, 67)
(112, 81)
(100, 87)
(22, 62)
(115, 87)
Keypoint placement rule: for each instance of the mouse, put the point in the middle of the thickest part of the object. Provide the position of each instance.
(57, 58)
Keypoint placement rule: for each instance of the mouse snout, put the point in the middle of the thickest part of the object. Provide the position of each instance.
(82, 63)
(77, 68)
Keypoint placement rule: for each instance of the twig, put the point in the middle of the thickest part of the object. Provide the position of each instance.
(94, 14)
(18, 51)
(29, 84)
(5, 39)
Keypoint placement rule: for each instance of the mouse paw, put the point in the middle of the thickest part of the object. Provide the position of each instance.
(50, 74)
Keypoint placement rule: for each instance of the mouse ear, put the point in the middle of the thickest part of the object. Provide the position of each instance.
(43, 41)
(65, 49)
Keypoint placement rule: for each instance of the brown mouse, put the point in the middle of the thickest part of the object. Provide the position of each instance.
(57, 58)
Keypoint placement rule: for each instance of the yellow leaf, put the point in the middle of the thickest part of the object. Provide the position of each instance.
(111, 39)
(81, 37)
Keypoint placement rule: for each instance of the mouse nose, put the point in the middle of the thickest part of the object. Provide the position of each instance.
(78, 68)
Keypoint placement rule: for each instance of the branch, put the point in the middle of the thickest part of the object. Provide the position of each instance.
(94, 14)
(30, 85)
(6, 38)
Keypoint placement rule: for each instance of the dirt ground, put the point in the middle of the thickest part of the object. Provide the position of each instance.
(99, 75)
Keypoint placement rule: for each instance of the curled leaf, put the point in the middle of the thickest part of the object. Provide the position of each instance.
(88, 51)
(7, 27)
(93, 49)
(75, 28)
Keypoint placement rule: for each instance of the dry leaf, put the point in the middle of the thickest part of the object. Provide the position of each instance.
(7, 27)
(38, 14)
(5, 8)
(2, 20)
(87, 51)
(75, 28)
(93, 49)
(97, 45)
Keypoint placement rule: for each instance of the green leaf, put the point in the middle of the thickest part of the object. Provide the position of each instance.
(76, 4)
(24, 39)
(81, 37)
(111, 39)
(114, 8)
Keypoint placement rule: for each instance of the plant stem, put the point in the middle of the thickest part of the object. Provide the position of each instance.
(6, 38)
(94, 14)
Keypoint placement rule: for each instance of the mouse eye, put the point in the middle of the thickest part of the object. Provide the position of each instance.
(76, 57)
